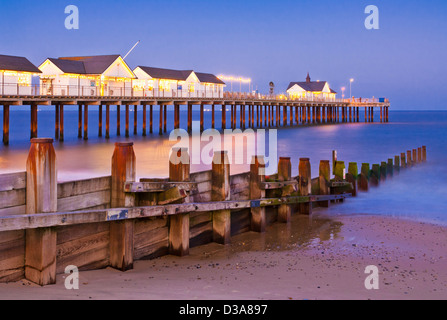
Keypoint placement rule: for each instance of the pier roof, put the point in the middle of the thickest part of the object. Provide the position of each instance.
(13, 63)
(92, 64)
(208, 78)
(169, 74)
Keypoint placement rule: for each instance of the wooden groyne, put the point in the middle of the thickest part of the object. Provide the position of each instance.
(46, 226)
(264, 112)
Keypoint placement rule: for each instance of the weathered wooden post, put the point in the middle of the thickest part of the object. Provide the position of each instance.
(334, 159)
(364, 177)
(383, 171)
(390, 168)
(85, 121)
(409, 160)
(375, 175)
(284, 174)
(121, 232)
(305, 184)
(340, 171)
(351, 177)
(424, 154)
(396, 164)
(61, 122)
(415, 156)
(403, 161)
(419, 154)
(257, 177)
(221, 192)
(179, 171)
(41, 197)
(323, 181)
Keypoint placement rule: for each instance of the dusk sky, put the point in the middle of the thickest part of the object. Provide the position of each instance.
(277, 41)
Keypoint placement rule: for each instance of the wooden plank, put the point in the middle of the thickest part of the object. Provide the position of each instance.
(74, 232)
(75, 188)
(12, 198)
(201, 234)
(201, 176)
(240, 222)
(12, 211)
(157, 186)
(277, 185)
(12, 181)
(84, 201)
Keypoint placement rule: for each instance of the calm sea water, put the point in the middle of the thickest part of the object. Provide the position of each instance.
(417, 193)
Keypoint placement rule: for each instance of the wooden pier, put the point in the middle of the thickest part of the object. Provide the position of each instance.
(264, 112)
(46, 226)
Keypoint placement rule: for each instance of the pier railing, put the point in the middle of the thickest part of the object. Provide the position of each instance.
(46, 226)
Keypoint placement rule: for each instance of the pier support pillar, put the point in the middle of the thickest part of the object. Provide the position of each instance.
(151, 119)
(33, 121)
(160, 131)
(213, 116)
(80, 121)
(144, 120)
(41, 197)
(189, 118)
(165, 118)
(220, 182)
(224, 117)
(176, 116)
(127, 122)
(85, 121)
(135, 120)
(100, 121)
(6, 125)
(61, 122)
(107, 121)
(118, 120)
(56, 122)
(201, 118)
(122, 232)
(284, 174)
(179, 171)
(257, 177)
(305, 184)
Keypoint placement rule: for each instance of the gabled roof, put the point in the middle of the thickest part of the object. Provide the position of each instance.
(168, 74)
(208, 78)
(93, 64)
(12, 63)
(68, 66)
(313, 86)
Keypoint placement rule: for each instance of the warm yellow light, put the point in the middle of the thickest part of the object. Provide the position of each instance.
(352, 80)
(233, 78)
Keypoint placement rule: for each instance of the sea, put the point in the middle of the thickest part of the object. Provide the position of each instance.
(418, 193)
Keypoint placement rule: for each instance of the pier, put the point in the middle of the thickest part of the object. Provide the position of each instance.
(113, 221)
(255, 111)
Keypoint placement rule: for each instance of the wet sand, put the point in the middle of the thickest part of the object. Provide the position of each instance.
(322, 258)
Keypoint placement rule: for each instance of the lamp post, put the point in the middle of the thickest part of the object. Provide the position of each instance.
(343, 92)
(350, 88)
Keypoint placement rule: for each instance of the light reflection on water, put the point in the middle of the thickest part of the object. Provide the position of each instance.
(420, 192)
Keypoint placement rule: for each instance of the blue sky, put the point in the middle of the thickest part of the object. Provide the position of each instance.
(277, 41)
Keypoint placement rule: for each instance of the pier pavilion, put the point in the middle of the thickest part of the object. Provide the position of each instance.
(106, 75)
(16, 75)
(311, 90)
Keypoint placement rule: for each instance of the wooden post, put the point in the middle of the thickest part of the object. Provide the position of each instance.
(364, 177)
(383, 171)
(201, 118)
(424, 154)
(390, 168)
(100, 121)
(334, 159)
(107, 121)
(305, 184)
(179, 171)
(415, 156)
(56, 122)
(121, 232)
(33, 121)
(213, 119)
(323, 181)
(257, 177)
(80, 121)
(224, 116)
(420, 155)
(135, 120)
(352, 176)
(41, 197)
(396, 165)
(165, 118)
(220, 181)
(160, 131)
(127, 122)
(375, 175)
(6, 125)
(403, 162)
(151, 119)
(284, 174)
(144, 120)
(340, 171)
(118, 121)
(409, 160)
(85, 121)
(61, 123)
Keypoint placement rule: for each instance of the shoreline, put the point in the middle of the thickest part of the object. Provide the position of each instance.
(319, 258)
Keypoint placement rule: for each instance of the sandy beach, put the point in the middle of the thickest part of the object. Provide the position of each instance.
(321, 258)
